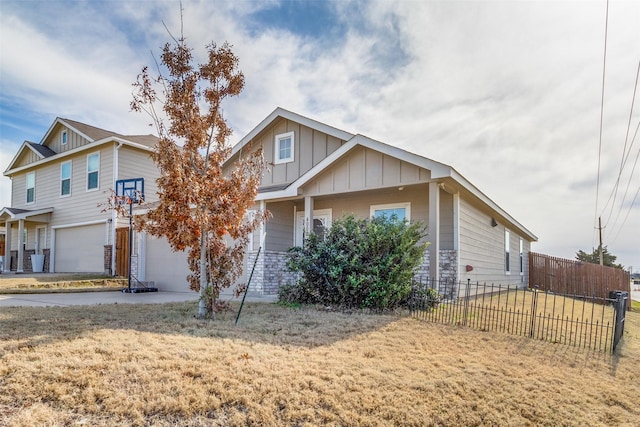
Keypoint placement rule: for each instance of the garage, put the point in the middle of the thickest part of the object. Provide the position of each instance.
(80, 249)
(167, 269)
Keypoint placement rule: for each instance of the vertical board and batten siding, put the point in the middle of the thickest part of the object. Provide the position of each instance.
(310, 147)
(364, 169)
(483, 247)
(27, 157)
(54, 141)
(134, 163)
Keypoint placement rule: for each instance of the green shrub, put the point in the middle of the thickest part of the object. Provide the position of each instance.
(423, 297)
(359, 263)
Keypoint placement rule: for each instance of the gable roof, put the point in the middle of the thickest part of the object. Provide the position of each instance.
(15, 213)
(439, 171)
(42, 150)
(94, 135)
(289, 115)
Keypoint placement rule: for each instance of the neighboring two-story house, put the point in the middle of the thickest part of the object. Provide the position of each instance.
(57, 185)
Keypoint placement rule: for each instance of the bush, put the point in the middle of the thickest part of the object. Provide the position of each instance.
(360, 263)
(423, 297)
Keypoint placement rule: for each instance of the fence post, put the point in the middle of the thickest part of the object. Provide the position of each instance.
(466, 302)
(534, 308)
(619, 304)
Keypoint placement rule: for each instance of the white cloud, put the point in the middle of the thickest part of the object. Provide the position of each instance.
(508, 93)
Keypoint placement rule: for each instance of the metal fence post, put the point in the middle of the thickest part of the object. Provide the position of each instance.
(534, 308)
(466, 302)
(619, 304)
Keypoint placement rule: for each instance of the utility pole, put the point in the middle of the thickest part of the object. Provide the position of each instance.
(600, 247)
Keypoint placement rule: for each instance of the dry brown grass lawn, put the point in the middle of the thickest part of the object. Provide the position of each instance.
(157, 365)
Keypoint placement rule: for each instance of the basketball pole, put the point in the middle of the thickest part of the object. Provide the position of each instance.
(130, 239)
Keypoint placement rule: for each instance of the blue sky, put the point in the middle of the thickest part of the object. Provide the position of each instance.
(508, 93)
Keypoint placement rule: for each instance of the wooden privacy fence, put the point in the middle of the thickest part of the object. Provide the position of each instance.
(565, 276)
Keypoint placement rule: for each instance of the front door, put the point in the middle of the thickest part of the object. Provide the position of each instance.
(122, 252)
(321, 222)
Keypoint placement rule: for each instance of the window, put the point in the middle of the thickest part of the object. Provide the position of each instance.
(63, 137)
(65, 179)
(507, 265)
(31, 187)
(322, 219)
(399, 211)
(93, 167)
(284, 147)
(521, 257)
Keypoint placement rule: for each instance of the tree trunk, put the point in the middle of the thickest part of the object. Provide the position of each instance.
(202, 306)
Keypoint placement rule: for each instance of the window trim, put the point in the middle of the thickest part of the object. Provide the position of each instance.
(521, 257)
(276, 154)
(62, 179)
(405, 205)
(26, 196)
(507, 252)
(64, 137)
(96, 171)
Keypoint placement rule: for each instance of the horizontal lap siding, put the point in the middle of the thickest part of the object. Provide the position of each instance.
(133, 163)
(81, 205)
(482, 247)
(279, 227)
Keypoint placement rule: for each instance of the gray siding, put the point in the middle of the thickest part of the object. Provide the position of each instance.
(483, 247)
(363, 169)
(359, 204)
(280, 227)
(310, 147)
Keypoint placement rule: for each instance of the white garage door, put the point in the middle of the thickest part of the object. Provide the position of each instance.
(167, 269)
(80, 249)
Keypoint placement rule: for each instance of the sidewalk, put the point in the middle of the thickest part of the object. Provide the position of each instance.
(112, 297)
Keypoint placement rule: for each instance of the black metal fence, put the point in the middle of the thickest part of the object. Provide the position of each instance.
(578, 320)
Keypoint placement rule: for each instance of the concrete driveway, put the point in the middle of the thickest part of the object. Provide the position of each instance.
(112, 297)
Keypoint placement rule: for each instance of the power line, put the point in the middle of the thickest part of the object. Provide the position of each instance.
(604, 67)
(625, 157)
(635, 163)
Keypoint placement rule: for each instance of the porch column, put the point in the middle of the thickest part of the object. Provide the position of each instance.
(7, 248)
(308, 215)
(21, 242)
(263, 226)
(434, 231)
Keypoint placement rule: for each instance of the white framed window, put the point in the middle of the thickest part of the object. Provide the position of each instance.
(65, 179)
(93, 171)
(400, 211)
(507, 261)
(63, 137)
(284, 147)
(521, 257)
(31, 188)
(322, 219)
